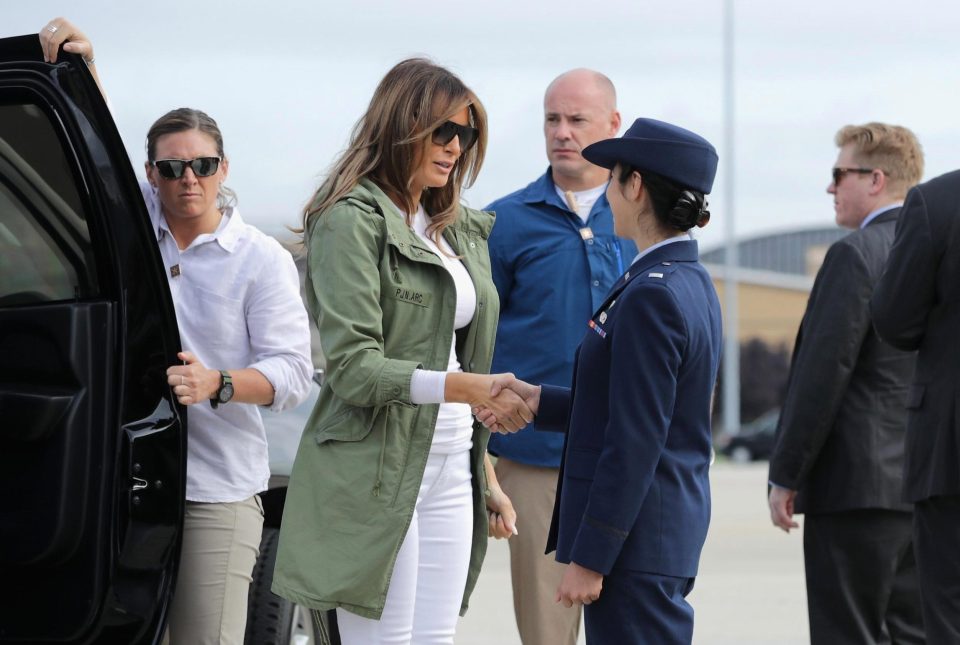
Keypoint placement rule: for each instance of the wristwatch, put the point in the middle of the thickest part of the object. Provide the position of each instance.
(225, 392)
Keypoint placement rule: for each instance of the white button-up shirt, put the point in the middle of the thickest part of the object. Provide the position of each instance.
(237, 296)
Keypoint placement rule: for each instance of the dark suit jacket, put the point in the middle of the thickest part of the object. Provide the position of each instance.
(840, 435)
(916, 305)
(634, 491)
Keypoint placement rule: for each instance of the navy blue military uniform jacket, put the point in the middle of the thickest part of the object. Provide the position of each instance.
(634, 490)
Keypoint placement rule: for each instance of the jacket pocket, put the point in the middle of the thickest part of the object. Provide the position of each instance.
(915, 397)
(350, 424)
(346, 445)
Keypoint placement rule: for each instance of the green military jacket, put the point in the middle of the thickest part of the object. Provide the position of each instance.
(384, 305)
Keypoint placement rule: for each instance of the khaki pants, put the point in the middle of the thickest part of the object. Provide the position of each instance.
(221, 543)
(540, 619)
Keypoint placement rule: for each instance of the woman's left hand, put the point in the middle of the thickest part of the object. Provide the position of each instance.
(503, 517)
(579, 586)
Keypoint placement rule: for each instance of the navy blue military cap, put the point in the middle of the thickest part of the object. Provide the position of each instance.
(662, 148)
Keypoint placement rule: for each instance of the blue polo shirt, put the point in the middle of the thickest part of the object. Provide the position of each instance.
(552, 271)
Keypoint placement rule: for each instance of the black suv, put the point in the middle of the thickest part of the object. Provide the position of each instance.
(92, 460)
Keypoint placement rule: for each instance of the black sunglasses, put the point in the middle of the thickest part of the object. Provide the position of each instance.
(447, 130)
(838, 173)
(174, 168)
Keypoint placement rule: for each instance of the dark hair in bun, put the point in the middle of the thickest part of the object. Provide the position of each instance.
(674, 207)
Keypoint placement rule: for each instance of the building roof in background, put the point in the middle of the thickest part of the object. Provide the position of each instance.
(785, 253)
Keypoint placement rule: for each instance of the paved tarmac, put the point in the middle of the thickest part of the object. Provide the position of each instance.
(750, 590)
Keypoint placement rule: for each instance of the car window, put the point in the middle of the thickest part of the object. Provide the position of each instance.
(45, 249)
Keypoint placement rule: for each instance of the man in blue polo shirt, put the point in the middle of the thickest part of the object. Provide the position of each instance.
(554, 257)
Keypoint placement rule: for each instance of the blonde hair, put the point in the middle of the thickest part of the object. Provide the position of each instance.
(387, 143)
(892, 148)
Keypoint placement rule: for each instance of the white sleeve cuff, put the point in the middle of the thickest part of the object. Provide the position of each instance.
(426, 386)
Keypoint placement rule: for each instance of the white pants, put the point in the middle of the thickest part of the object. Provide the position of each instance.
(426, 589)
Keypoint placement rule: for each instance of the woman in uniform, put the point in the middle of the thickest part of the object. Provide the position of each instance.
(633, 501)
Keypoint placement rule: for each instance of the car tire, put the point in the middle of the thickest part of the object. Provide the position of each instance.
(741, 455)
(272, 620)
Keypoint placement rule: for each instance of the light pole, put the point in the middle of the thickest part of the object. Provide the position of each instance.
(731, 323)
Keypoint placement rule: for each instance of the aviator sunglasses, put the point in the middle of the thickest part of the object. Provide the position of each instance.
(174, 168)
(447, 130)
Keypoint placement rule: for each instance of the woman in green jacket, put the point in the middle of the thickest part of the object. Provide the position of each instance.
(386, 517)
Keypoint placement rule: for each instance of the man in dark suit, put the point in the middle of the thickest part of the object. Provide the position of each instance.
(916, 306)
(839, 450)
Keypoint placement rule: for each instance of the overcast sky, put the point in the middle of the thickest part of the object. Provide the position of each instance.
(286, 80)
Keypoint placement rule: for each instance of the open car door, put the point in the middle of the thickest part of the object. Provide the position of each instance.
(92, 441)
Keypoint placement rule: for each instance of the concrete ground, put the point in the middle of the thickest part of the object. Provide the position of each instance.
(750, 590)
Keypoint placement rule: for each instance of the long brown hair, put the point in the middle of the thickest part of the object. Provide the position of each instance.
(387, 143)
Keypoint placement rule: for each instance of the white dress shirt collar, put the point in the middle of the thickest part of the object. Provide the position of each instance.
(228, 232)
(686, 237)
(874, 214)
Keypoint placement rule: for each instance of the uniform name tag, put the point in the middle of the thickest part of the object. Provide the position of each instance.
(411, 296)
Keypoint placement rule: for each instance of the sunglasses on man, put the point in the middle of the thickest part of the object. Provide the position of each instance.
(447, 130)
(174, 168)
(838, 173)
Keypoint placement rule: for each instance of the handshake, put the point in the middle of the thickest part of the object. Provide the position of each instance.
(501, 402)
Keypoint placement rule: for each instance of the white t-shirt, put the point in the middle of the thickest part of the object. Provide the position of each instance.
(237, 296)
(582, 201)
(454, 429)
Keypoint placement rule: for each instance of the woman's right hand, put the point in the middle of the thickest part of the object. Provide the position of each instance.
(502, 384)
(511, 411)
(59, 31)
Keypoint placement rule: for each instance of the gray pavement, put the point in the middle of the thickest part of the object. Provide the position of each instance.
(750, 590)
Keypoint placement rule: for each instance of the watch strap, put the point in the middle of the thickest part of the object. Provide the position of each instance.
(225, 379)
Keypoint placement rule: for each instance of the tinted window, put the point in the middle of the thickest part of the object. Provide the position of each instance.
(45, 250)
